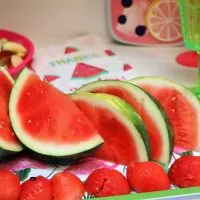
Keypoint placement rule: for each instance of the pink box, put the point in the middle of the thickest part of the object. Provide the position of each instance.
(145, 22)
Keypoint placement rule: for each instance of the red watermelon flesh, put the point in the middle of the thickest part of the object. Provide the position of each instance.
(83, 70)
(182, 115)
(155, 139)
(49, 115)
(6, 132)
(113, 133)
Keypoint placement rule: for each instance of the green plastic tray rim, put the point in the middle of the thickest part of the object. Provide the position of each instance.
(186, 192)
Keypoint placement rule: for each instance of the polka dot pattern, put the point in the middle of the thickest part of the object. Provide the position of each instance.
(126, 3)
(122, 19)
(140, 30)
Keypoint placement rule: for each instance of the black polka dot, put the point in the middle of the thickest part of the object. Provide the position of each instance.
(140, 30)
(122, 19)
(126, 3)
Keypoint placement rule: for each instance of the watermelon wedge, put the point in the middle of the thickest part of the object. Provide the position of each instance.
(155, 120)
(69, 50)
(181, 106)
(123, 131)
(51, 78)
(83, 70)
(9, 143)
(127, 67)
(47, 121)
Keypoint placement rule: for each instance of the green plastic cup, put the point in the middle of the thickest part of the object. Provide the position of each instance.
(190, 21)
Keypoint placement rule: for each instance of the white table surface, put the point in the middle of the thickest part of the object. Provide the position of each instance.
(157, 61)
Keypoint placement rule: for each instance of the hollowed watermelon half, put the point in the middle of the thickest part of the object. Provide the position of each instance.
(123, 131)
(47, 121)
(181, 106)
(9, 143)
(155, 120)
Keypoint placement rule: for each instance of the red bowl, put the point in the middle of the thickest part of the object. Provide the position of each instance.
(16, 37)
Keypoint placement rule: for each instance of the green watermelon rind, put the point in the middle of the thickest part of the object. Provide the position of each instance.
(64, 151)
(181, 88)
(125, 114)
(64, 160)
(7, 148)
(154, 107)
(169, 127)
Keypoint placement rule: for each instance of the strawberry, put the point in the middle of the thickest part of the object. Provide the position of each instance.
(185, 171)
(66, 186)
(147, 177)
(9, 185)
(36, 188)
(106, 182)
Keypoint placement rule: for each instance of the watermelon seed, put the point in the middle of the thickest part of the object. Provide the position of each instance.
(32, 178)
(1, 124)
(173, 98)
(173, 110)
(29, 121)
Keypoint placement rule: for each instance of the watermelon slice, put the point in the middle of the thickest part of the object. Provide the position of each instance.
(181, 106)
(127, 67)
(51, 78)
(47, 121)
(124, 133)
(83, 70)
(69, 50)
(109, 52)
(148, 108)
(9, 143)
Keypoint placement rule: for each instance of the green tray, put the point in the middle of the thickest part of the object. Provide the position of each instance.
(178, 194)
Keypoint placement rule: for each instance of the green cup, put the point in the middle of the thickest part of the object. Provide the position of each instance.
(190, 20)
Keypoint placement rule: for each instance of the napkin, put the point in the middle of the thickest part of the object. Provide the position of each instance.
(79, 61)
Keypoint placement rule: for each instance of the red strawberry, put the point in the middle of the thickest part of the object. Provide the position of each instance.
(70, 50)
(36, 188)
(66, 186)
(106, 182)
(147, 177)
(185, 171)
(9, 185)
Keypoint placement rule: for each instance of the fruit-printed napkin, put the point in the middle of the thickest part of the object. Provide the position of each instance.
(79, 61)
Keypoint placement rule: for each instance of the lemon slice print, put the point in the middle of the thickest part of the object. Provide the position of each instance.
(163, 20)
